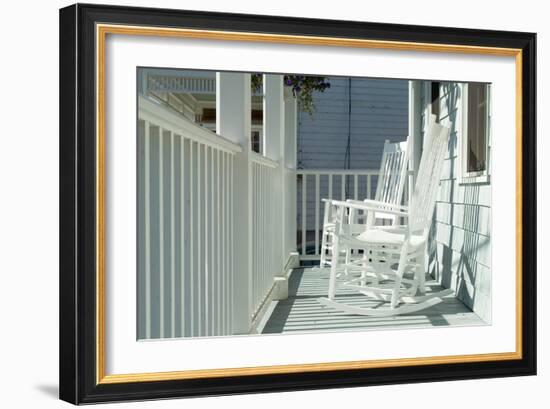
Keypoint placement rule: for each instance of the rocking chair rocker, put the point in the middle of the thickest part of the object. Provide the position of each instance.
(392, 268)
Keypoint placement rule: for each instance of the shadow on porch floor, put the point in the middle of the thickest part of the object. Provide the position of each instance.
(301, 312)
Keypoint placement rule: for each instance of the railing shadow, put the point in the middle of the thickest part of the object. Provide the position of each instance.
(276, 322)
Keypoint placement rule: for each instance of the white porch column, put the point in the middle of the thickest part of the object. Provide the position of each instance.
(275, 129)
(289, 170)
(273, 116)
(233, 122)
(274, 147)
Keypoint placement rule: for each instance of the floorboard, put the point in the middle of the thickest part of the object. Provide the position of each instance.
(301, 312)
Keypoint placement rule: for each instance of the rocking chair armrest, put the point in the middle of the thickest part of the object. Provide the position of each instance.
(380, 207)
(385, 205)
(326, 200)
(354, 201)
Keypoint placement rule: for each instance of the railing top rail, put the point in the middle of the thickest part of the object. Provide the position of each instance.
(337, 171)
(263, 160)
(196, 83)
(347, 172)
(156, 114)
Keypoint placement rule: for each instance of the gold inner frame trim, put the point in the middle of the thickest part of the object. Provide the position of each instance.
(101, 33)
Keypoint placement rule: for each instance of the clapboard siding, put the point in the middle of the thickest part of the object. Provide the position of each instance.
(379, 111)
(460, 250)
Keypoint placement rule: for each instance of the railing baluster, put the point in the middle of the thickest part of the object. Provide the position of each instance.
(192, 219)
(304, 213)
(183, 206)
(317, 201)
(172, 240)
(147, 210)
(161, 231)
(266, 251)
(232, 260)
(207, 242)
(256, 229)
(211, 302)
(268, 242)
(259, 214)
(369, 185)
(199, 238)
(265, 234)
(227, 237)
(219, 269)
(223, 265)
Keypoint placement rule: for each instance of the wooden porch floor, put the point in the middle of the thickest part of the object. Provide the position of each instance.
(301, 312)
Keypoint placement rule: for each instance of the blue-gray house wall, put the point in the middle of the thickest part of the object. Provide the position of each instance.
(369, 110)
(362, 111)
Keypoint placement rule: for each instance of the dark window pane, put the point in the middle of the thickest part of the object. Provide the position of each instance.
(255, 141)
(435, 100)
(257, 116)
(477, 128)
(209, 115)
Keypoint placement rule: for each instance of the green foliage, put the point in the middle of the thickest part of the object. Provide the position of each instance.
(302, 86)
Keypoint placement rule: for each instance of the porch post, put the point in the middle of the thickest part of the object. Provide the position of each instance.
(289, 170)
(274, 148)
(273, 116)
(233, 122)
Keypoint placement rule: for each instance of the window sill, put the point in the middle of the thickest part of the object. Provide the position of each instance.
(475, 179)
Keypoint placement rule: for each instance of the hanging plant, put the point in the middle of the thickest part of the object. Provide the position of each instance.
(302, 88)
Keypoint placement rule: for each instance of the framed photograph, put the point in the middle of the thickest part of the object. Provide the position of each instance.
(257, 203)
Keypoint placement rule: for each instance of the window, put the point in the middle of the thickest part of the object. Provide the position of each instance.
(475, 138)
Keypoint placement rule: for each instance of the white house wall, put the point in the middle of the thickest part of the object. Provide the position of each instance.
(460, 251)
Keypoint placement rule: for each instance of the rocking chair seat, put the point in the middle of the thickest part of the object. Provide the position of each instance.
(390, 237)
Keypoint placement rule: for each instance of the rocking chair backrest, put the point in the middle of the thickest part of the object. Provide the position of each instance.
(392, 177)
(427, 182)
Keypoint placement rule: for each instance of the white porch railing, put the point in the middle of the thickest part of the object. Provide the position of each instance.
(216, 221)
(313, 185)
(183, 84)
(266, 228)
(176, 83)
(185, 227)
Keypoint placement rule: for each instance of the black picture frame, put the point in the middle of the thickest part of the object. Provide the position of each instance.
(78, 236)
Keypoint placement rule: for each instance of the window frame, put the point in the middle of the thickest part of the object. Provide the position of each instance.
(482, 176)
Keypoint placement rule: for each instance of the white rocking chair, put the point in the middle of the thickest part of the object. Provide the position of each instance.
(393, 269)
(389, 189)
